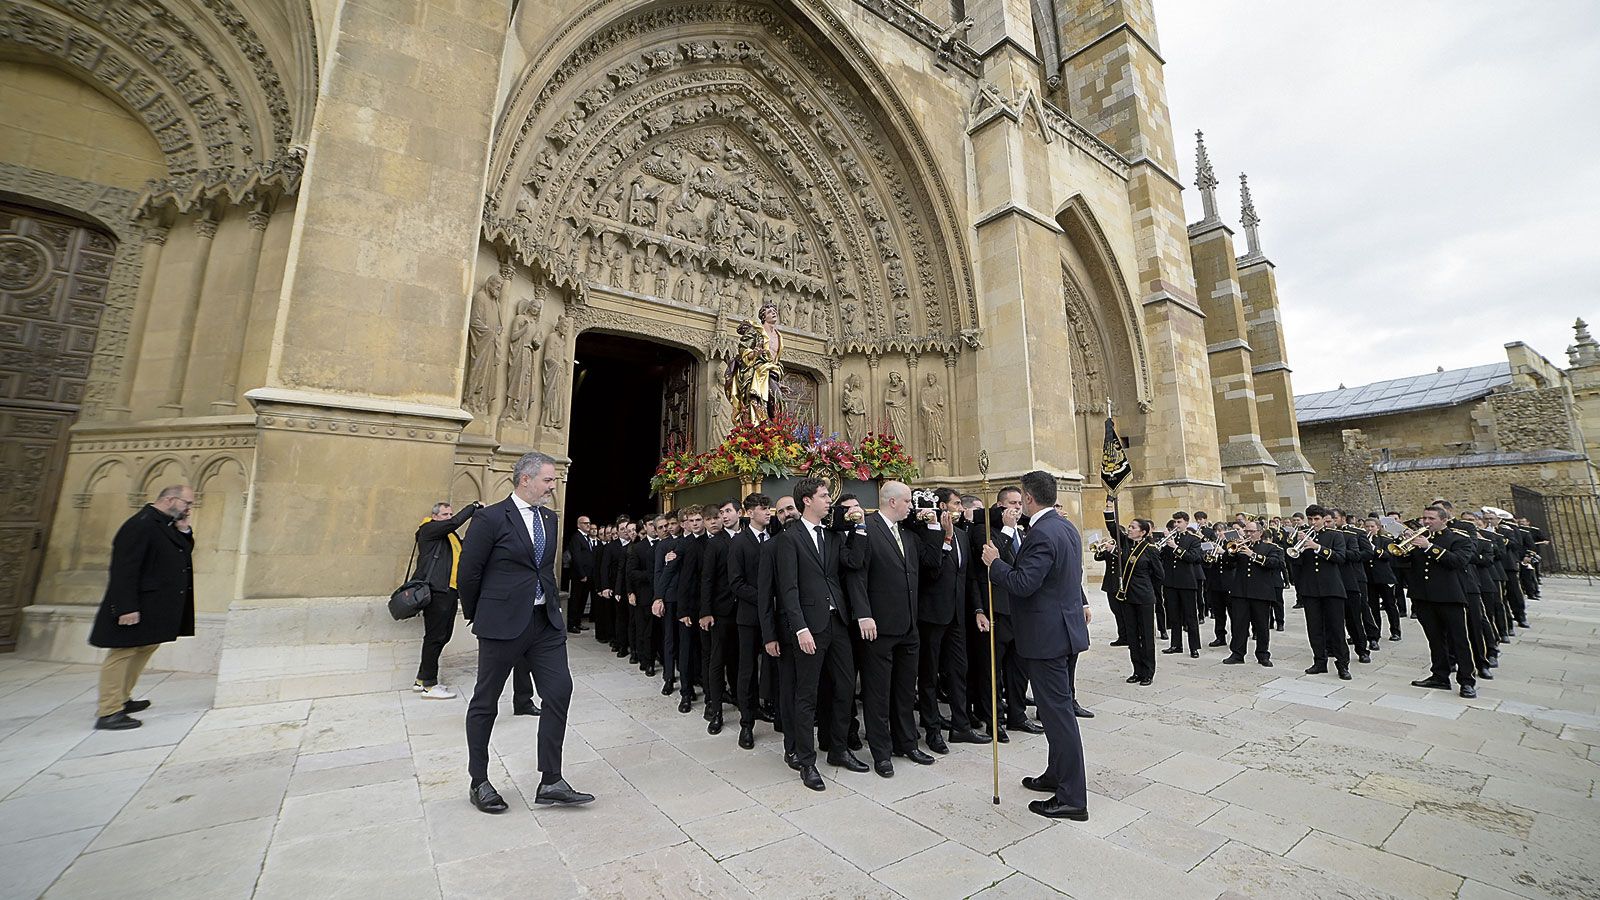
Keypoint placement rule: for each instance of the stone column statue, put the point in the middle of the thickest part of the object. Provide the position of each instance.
(933, 420)
(854, 407)
(519, 373)
(556, 364)
(483, 344)
(897, 407)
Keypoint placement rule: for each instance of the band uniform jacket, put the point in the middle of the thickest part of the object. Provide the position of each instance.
(805, 584)
(1519, 543)
(1139, 570)
(152, 574)
(1108, 581)
(1316, 572)
(434, 537)
(1357, 550)
(1379, 567)
(942, 593)
(1496, 553)
(716, 594)
(750, 579)
(1474, 578)
(498, 572)
(1257, 579)
(1180, 563)
(1438, 573)
(883, 586)
(1046, 587)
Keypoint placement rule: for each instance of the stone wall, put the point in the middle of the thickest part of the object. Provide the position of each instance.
(1533, 420)
(1344, 476)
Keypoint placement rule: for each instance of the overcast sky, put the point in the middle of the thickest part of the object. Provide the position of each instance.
(1427, 173)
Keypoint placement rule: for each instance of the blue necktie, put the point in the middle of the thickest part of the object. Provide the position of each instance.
(1016, 545)
(538, 554)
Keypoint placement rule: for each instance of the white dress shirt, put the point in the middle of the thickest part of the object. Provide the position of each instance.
(529, 513)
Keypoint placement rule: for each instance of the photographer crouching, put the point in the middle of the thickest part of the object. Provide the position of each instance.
(435, 536)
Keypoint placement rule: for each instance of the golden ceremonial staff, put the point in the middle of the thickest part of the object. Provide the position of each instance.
(994, 687)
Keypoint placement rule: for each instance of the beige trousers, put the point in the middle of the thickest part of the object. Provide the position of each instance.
(119, 673)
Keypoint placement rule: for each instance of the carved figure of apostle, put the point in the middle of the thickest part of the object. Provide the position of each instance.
(854, 407)
(933, 420)
(753, 376)
(721, 417)
(897, 407)
(483, 342)
(555, 375)
(519, 374)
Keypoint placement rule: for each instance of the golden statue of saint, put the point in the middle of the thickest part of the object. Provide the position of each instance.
(753, 381)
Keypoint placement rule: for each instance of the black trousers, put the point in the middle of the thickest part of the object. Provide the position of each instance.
(943, 652)
(788, 650)
(1325, 629)
(1518, 604)
(1277, 608)
(542, 648)
(1381, 598)
(831, 660)
(721, 654)
(1358, 619)
(1119, 611)
(1161, 616)
(686, 650)
(1142, 640)
(1011, 677)
(1498, 609)
(621, 623)
(1445, 624)
(753, 659)
(1052, 691)
(1250, 616)
(829, 686)
(1529, 577)
(1478, 633)
(1400, 594)
(577, 601)
(647, 632)
(438, 624)
(1183, 614)
(889, 667)
(1218, 602)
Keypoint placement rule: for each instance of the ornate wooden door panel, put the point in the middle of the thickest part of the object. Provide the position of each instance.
(53, 276)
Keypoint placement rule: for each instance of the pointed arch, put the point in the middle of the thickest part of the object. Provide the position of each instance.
(1093, 268)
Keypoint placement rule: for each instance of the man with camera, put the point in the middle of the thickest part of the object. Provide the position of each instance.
(941, 622)
(438, 558)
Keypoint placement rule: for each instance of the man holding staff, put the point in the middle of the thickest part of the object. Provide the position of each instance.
(1052, 627)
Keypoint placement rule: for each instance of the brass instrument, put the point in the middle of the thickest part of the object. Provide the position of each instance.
(1409, 530)
(1170, 540)
(1303, 541)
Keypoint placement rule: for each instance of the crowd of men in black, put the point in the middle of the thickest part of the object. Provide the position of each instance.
(701, 598)
(1468, 577)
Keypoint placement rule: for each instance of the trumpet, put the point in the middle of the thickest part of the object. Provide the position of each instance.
(1303, 541)
(1400, 546)
(1105, 546)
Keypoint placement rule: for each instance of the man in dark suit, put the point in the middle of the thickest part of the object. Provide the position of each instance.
(1052, 626)
(580, 551)
(806, 564)
(750, 581)
(1180, 563)
(716, 617)
(884, 588)
(508, 593)
(1253, 573)
(683, 602)
(1005, 533)
(149, 600)
(941, 621)
(639, 579)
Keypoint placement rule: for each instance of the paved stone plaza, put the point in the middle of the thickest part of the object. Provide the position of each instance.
(1237, 781)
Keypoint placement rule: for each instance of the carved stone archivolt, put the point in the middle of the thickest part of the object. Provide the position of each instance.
(707, 156)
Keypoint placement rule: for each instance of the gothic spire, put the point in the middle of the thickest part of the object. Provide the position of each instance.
(1585, 352)
(1248, 217)
(1204, 177)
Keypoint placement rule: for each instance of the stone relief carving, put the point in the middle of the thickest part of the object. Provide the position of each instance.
(525, 342)
(934, 420)
(721, 417)
(484, 329)
(854, 407)
(897, 407)
(556, 366)
(1089, 388)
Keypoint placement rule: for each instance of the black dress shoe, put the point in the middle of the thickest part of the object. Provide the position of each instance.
(790, 760)
(847, 760)
(916, 755)
(1194, 654)
(1002, 737)
(573, 629)
(1395, 636)
(766, 714)
(811, 778)
(1050, 809)
(855, 742)
(1439, 683)
(1173, 650)
(747, 737)
(1493, 662)
(650, 672)
(667, 688)
(1486, 674)
(936, 743)
(1233, 660)
(1265, 662)
(1219, 642)
(1132, 679)
(1027, 725)
(1280, 627)
(1038, 783)
(1080, 712)
(715, 725)
(685, 705)
(884, 768)
(560, 794)
(967, 736)
(1468, 691)
(525, 709)
(1118, 644)
(1318, 669)
(133, 706)
(631, 659)
(1344, 673)
(1363, 657)
(1372, 644)
(1145, 682)
(1523, 623)
(486, 798)
(1161, 636)
(117, 721)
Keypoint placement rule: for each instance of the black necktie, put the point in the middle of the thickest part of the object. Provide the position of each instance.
(820, 544)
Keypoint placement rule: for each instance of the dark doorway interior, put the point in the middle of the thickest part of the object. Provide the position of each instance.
(616, 424)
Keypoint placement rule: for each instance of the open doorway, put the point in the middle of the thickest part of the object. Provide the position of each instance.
(631, 399)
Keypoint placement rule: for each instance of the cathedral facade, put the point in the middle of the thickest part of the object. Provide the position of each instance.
(332, 260)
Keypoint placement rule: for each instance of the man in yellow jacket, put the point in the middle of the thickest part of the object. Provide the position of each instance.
(438, 555)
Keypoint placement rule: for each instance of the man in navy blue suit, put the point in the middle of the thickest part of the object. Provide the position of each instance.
(1044, 582)
(508, 592)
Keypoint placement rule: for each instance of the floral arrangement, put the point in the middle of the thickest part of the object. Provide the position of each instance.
(780, 447)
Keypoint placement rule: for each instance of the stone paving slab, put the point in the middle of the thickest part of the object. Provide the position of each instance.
(1215, 782)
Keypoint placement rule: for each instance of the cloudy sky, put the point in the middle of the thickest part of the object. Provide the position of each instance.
(1427, 173)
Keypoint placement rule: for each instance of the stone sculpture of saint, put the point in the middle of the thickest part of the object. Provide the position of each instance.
(933, 420)
(483, 343)
(721, 417)
(854, 407)
(555, 375)
(519, 373)
(897, 407)
(752, 382)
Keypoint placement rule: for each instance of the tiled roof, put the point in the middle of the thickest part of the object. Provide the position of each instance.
(1381, 398)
